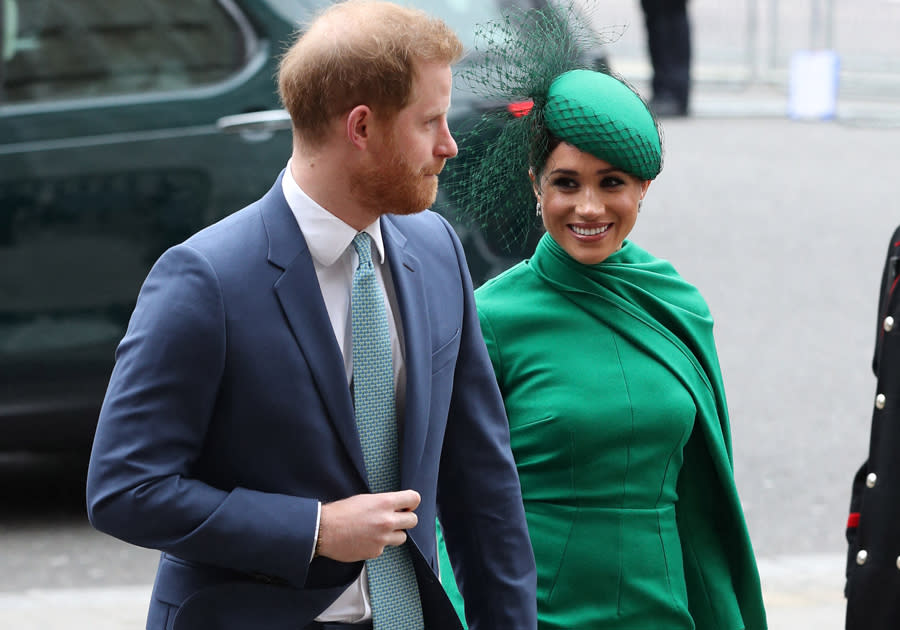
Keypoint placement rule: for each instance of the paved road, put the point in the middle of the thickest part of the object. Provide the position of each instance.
(811, 606)
(814, 604)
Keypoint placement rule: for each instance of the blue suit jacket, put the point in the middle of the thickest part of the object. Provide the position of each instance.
(228, 417)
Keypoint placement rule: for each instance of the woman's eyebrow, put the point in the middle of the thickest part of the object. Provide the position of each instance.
(599, 171)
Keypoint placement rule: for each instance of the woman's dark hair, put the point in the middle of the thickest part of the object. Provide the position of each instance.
(542, 145)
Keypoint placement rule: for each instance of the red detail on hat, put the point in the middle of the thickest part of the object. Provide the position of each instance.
(853, 520)
(522, 108)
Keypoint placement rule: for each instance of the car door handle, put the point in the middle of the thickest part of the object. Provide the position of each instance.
(255, 126)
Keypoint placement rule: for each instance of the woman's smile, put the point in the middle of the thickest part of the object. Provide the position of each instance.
(590, 232)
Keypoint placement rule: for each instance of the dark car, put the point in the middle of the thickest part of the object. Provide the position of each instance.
(124, 128)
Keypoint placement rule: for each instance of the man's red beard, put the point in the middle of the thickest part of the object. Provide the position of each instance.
(391, 185)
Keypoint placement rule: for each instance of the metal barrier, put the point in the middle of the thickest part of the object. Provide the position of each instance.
(738, 43)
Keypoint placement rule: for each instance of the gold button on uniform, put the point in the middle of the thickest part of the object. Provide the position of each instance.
(879, 401)
(871, 479)
(898, 562)
(862, 556)
(888, 323)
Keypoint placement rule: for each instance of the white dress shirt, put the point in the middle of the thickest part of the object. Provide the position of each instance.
(335, 259)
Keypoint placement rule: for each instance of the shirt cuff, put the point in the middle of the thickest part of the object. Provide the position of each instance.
(316, 535)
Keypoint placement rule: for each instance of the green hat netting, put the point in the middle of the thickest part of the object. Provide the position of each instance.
(537, 60)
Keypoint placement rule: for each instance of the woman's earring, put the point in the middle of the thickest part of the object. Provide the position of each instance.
(537, 209)
(640, 203)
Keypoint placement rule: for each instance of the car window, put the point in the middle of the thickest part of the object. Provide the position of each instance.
(55, 49)
(461, 15)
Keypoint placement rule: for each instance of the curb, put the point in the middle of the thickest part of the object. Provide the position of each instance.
(803, 592)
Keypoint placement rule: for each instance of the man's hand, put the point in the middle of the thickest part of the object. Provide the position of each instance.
(360, 527)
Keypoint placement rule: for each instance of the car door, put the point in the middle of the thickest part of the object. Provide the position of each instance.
(110, 152)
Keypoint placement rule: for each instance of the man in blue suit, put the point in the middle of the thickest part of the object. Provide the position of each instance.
(228, 437)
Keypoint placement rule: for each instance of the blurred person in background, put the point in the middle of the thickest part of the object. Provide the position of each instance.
(669, 44)
(873, 535)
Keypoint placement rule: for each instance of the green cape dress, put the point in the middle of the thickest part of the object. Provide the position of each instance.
(619, 428)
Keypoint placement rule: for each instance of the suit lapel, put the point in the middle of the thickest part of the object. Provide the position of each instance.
(406, 273)
(300, 297)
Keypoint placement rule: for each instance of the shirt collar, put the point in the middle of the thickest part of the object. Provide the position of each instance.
(326, 235)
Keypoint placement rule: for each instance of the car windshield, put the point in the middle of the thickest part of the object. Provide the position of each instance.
(460, 15)
(463, 15)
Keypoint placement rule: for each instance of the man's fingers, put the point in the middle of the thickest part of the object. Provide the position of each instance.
(404, 499)
(406, 520)
(395, 516)
(396, 538)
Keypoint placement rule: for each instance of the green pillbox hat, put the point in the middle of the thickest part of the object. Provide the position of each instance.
(603, 116)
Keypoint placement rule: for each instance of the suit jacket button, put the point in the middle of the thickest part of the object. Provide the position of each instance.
(871, 479)
(861, 557)
(888, 323)
(898, 562)
(880, 399)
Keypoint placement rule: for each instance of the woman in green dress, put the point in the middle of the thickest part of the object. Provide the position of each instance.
(607, 364)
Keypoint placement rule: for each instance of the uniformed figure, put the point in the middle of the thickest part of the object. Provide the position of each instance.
(873, 534)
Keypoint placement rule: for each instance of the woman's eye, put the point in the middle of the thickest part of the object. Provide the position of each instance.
(564, 182)
(611, 182)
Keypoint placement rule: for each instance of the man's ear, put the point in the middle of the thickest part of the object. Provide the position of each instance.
(358, 121)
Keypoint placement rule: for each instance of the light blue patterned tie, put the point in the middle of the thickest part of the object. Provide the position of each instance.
(393, 589)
